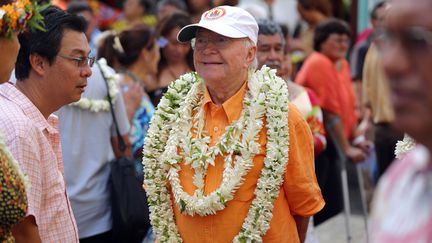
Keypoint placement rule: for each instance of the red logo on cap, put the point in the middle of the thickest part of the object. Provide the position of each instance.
(214, 13)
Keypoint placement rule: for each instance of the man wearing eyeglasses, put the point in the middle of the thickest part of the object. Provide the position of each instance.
(402, 208)
(216, 180)
(51, 70)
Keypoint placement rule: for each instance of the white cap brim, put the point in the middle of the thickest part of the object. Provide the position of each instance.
(188, 32)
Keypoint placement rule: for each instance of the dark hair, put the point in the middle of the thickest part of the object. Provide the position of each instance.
(76, 7)
(147, 5)
(328, 27)
(105, 47)
(5, 2)
(375, 9)
(165, 27)
(323, 6)
(176, 3)
(46, 43)
(268, 27)
(130, 44)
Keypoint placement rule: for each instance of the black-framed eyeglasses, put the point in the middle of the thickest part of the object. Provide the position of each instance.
(80, 61)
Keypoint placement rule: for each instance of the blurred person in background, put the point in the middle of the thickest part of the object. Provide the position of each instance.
(89, 140)
(313, 12)
(197, 8)
(137, 52)
(271, 52)
(176, 57)
(166, 8)
(402, 206)
(81, 8)
(327, 72)
(135, 12)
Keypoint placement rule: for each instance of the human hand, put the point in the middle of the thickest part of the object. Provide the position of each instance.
(355, 154)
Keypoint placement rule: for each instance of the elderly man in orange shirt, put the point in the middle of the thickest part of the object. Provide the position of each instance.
(227, 158)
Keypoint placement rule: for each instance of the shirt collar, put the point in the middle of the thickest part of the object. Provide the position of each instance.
(233, 106)
(10, 92)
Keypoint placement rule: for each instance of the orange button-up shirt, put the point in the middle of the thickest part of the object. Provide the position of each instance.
(299, 194)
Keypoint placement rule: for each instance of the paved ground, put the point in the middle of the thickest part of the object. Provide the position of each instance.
(334, 230)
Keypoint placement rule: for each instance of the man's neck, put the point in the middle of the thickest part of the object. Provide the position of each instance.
(221, 93)
(35, 94)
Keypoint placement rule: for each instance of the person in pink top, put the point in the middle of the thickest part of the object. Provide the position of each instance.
(402, 206)
(51, 70)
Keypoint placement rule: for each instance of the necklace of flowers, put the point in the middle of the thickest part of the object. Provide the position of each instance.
(404, 146)
(112, 80)
(197, 152)
(257, 221)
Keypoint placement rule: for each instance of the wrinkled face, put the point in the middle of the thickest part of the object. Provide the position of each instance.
(335, 46)
(66, 78)
(9, 50)
(221, 59)
(174, 50)
(406, 50)
(270, 51)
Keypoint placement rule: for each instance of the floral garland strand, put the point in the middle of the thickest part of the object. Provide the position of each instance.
(259, 216)
(197, 152)
(19, 15)
(112, 79)
(404, 146)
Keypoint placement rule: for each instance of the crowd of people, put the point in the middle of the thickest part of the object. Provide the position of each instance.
(236, 128)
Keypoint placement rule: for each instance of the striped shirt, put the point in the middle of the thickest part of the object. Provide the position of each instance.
(35, 143)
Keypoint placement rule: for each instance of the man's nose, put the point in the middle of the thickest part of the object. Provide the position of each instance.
(86, 71)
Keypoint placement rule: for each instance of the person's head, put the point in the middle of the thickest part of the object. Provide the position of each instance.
(55, 60)
(172, 50)
(377, 15)
(84, 10)
(168, 7)
(332, 38)
(9, 45)
(312, 10)
(134, 9)
(224, 44)
(406, 51)
(137, 44)
(198, 6)
(271, 44)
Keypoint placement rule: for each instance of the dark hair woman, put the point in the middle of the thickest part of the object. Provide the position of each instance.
(176, 57)
(327, 72)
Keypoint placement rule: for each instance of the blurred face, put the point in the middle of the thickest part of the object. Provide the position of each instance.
(220, 59)
(87, 15)
(270, 51)
(175, 51)
(306, 15)
(132, 9)
(335, 46)
(406, 50)
(199, 5)
(378, 20)
(152, 57)
(66, 77)
(9, 50)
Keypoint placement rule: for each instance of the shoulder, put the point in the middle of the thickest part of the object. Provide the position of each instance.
(318, 59)
(13, 122)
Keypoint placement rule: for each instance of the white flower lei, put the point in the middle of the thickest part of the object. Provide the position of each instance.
(101, 105)
(404, 146)
(266, 93)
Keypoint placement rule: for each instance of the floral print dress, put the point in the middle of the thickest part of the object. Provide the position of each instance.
(13, 198)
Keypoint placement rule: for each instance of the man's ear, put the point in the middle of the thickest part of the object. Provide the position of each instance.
(38, 63)
(251, 55)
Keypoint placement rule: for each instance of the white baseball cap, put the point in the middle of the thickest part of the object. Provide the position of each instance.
(228, 21)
